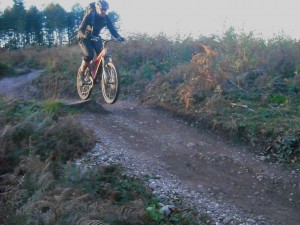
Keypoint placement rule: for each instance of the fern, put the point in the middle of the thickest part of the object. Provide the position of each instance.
(133, 210)
(17, 197)
(45, 181)
(29, 166)
(103, 209)
(25, 187)
(87, 221)
(82, 199)
(286, 147)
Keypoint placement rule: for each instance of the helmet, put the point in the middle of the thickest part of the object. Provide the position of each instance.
(103, 4)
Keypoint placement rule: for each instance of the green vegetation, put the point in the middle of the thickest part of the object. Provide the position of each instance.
(31, 129)
(238, 85)
(41, 184)
(6, 69)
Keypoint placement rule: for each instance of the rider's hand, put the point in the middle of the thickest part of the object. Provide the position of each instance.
(95, 38)
(120, 39)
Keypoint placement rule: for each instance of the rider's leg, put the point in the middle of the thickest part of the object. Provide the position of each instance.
(83, 66)
(88, 52)
(97, 45)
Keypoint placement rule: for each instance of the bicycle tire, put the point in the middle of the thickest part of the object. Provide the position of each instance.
(84, 90)
(110, 87)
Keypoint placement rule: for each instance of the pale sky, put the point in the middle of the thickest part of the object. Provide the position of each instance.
(264, 17)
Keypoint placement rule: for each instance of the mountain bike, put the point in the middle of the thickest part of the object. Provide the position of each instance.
(101, 70)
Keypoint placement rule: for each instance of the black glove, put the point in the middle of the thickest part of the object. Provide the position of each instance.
(95, 38)
(92, 37)
(120, 39)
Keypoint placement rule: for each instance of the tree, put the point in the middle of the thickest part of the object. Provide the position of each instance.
(52, 26)
(55, 23)
(74, 20)
(34, 26)
(14, 25)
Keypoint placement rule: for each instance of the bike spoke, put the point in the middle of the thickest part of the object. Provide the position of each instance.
(110, 89)
(84, 90)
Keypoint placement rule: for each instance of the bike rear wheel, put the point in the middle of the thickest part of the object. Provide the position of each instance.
(84, 90)
(110, 86)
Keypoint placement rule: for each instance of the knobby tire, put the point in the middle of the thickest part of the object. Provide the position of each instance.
(111, 88)
(84, 91)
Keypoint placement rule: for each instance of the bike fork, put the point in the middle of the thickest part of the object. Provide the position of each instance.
(104, 72)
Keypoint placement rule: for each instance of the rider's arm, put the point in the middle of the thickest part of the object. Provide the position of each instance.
(111, 28)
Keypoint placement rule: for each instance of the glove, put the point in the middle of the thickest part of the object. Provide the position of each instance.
(95, 38)
(92, 37)
(120, 39)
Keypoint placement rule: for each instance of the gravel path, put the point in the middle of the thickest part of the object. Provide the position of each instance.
(189, 168)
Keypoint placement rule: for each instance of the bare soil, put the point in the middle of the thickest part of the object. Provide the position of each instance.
(14, 85)
(202, 160)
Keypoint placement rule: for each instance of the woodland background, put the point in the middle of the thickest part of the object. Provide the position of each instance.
(237, 84)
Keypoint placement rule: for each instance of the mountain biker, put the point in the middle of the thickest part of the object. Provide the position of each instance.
(94, 20)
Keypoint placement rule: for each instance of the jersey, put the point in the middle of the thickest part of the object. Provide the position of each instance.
(92, 23)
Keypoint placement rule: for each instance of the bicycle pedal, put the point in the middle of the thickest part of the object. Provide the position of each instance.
(86, 82)
(111, 81)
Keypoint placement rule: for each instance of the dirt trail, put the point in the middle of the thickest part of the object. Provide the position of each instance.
(202, 161)
(13, 85)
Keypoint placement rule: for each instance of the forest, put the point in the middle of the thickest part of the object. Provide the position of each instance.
(52, 26)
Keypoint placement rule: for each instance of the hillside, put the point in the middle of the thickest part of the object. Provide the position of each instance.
(202, 137)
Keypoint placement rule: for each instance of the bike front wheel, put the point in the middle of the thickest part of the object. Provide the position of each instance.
(84, 90)
(110, 84)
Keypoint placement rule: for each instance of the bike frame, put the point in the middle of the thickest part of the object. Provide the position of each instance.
(100, 70)
(97, 65)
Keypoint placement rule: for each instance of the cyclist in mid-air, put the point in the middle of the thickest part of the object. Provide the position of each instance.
(94, 20)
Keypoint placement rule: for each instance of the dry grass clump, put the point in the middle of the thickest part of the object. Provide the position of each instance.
(49, 192)
(187, 85)
(32, 129)
(40, 57)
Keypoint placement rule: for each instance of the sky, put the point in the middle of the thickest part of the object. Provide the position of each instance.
(265, 18)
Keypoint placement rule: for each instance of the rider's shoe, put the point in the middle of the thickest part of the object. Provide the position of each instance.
(84, 79)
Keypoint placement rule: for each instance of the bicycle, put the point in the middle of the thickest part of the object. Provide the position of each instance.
(102, 66)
